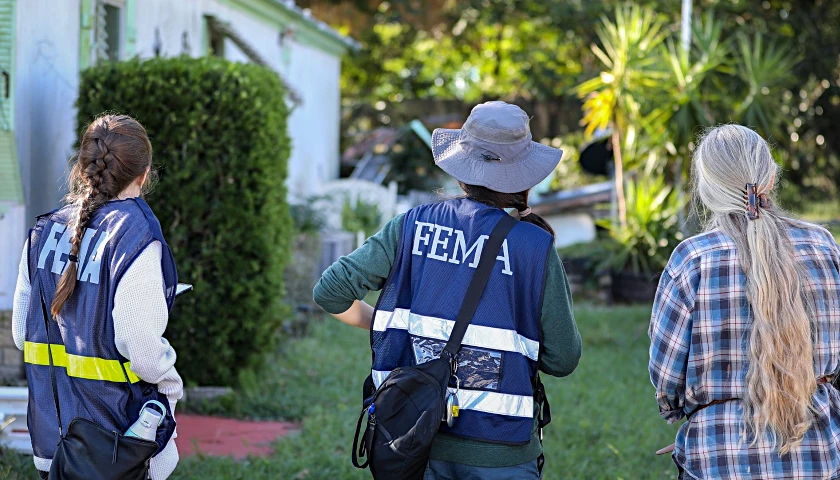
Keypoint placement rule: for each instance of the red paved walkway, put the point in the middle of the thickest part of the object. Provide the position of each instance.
(226, 437)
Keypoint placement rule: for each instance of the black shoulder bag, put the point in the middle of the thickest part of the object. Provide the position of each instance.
(90, 452)
(405, 412)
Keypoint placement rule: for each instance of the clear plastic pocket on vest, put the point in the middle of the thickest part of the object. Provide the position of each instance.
(478, 368)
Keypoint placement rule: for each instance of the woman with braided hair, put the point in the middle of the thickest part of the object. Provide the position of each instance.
(102, 274)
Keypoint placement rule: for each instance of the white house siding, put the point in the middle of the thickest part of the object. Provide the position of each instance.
(45, 88)
(571, 228)
(47, 70)
(12, 238)
(313, 126)
(47, 80)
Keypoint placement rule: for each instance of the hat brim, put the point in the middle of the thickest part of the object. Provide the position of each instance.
(525, 173)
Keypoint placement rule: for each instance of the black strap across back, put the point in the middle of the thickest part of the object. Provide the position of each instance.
(478, 283)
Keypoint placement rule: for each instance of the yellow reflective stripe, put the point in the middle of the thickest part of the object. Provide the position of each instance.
(91, 368)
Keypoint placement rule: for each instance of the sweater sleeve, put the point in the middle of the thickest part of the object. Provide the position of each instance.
(20, 304)
(352, 277)
(561, 346)
(140, 318)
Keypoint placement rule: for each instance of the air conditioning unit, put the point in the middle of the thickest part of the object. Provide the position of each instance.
(334, 245)
(14, 433)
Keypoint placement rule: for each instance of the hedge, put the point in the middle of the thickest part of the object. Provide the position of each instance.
(218, 130)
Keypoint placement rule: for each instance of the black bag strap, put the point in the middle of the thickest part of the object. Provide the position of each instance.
(47, 319)
(477, 285)
(360, 449)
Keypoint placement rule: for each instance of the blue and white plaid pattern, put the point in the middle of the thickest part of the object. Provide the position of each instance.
(699, 332)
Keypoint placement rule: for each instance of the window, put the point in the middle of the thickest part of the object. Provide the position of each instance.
(108, 29)
(215, 38)
(112, 31)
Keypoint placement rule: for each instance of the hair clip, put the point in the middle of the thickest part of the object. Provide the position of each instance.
(73, 258)
(763, 200)
(490, 158)
(752, 200)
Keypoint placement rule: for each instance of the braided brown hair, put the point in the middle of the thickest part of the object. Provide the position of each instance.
(519, 201)
(115, 152)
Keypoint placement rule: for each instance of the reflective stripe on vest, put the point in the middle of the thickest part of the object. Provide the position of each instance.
(90, 368)
(483, 401)
(440, 328)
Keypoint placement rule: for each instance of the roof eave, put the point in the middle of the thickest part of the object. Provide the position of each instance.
(309, 31)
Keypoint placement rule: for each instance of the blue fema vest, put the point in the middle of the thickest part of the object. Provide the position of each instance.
(439, 250)
(94, 381)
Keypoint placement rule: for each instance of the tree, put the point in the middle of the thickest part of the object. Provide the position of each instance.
(614, 98)
(441, 56)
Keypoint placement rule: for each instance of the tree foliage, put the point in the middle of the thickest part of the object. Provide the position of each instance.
(417, 55)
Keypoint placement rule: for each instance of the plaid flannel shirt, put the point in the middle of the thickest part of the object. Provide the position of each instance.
(699, 334)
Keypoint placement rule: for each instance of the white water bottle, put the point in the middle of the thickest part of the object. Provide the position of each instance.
(146, 426)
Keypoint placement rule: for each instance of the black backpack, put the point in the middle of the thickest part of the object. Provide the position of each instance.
(406, 411)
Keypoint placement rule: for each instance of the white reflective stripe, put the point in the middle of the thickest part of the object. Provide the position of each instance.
(398, 319)
(482, 401)
(379, 377)
(439, 329)
(494, 402)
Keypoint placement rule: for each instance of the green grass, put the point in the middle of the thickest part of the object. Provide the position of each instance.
(605, 423)
(834, 228)
(820, 212)
(16, 467)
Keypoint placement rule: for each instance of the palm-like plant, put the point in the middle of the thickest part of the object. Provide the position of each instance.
(694, 95)
(765, 70)
(645, 242)
(629, 52)
(691, 102)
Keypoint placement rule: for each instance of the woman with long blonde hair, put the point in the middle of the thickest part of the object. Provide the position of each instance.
(745, 329)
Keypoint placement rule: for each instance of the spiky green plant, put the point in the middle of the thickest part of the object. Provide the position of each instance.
(645, 242)
(766, 69)
(613, 100)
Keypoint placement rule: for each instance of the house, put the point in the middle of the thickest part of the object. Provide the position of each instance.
(572, 213)
(44, 44)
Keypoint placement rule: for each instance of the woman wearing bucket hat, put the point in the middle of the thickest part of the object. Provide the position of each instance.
(423, 261)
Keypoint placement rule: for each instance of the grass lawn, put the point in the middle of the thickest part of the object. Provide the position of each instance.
(605, 423)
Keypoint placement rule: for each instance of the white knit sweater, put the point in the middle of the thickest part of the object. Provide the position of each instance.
(140, 318)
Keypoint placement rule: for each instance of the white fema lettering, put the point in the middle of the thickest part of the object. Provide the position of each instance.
(436, 239)
(61, 246)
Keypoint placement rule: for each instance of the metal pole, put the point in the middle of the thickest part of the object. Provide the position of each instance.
(685, 41)
(685, 33)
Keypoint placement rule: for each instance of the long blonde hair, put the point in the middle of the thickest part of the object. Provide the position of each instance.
(780, 380)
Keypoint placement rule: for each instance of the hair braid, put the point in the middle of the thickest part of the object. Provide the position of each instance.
(114, 152)
(87, 207)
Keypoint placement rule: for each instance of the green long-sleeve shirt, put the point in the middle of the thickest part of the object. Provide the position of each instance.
(367, 269)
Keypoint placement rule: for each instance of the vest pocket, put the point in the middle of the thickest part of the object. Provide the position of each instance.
(478, 368)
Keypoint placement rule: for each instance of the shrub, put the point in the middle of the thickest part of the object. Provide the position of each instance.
(219, 134)
(645, 243)
(360, 216)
